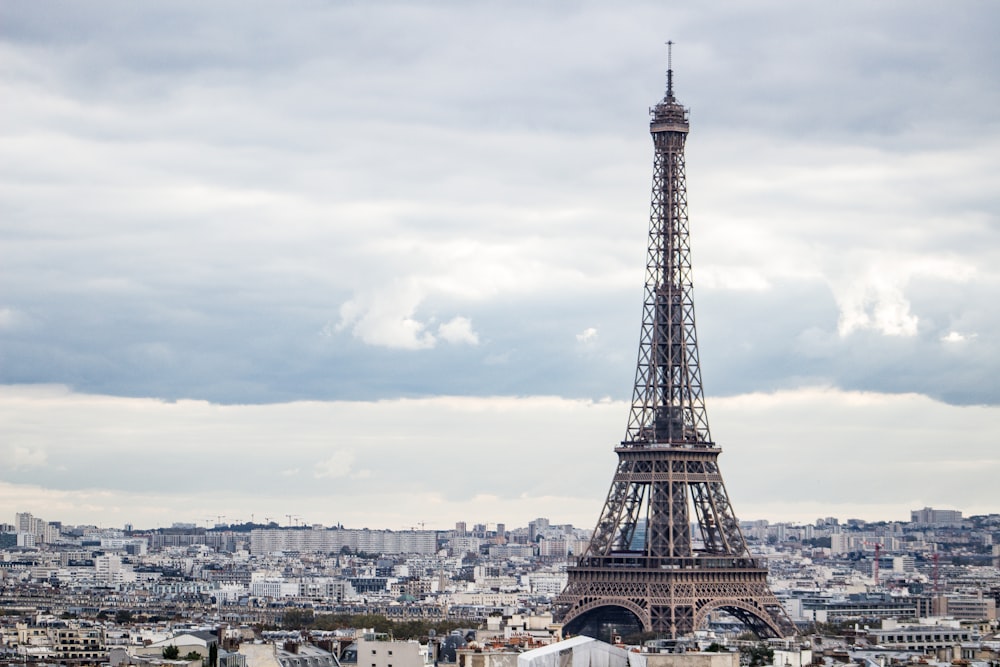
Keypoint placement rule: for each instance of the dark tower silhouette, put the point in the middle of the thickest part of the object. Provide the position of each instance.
(647, 567)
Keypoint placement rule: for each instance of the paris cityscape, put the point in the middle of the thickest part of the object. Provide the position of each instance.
(94, 592)
(314, 316)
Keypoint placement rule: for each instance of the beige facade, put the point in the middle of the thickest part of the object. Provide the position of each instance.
(390, 653)
(85, 644)
(260, 655)
(481, 658)
(966, 607)
(186, 643)
(721, 659)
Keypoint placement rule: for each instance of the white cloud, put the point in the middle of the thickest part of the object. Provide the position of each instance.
(956, 337)
(385, 318)
(387, 312)
(873, 295)
(588, 335)
(337, 465)
(391, 455)
(876, 305)
(458, 330)
(22, 457)
(889, 445)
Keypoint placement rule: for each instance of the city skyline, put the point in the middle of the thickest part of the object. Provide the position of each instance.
(470, 526)
(383, 266)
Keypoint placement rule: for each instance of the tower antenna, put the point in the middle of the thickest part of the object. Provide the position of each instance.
(670, 70)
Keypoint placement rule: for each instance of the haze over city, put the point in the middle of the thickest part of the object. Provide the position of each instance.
(382, 265)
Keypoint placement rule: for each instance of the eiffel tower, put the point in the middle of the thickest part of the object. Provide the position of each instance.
(647, 568)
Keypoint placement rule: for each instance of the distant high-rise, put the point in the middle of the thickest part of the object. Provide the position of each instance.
(646, 569)
(536, 527)
(931, 516)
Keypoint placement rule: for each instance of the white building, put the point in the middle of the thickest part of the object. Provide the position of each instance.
(580, 652)
(926, 636)
(269, 585)
(333, 540)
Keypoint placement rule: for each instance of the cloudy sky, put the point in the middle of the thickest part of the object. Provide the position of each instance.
(381, 264)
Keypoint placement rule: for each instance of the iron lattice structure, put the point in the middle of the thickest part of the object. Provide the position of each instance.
(646, 566)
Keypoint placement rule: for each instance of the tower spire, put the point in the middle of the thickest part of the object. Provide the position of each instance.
(670, 71)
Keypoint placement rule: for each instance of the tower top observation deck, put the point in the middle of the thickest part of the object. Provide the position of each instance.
(669, 115)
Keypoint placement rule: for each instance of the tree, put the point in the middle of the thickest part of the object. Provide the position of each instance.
(297, 619)
(171, 652)
(758, 655)
(123, 616)
(213, 655)
(193, 655)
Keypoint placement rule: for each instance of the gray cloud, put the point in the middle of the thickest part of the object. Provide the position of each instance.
(242, 234)
(192, 196)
